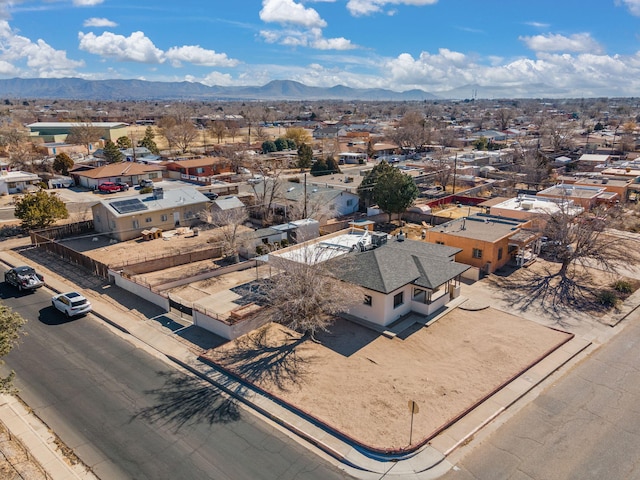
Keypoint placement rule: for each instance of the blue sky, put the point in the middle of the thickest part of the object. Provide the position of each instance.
(573, 48)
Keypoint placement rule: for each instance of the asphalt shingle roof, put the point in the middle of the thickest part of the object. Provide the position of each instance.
(396, 264)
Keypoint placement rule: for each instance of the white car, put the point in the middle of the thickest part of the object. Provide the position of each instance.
(71, 304)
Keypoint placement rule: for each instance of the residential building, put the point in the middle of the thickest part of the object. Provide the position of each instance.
(398, 277)
(125, 172)
(531, 207)
(586, 197)
(486, 242)
(124, 218)
(17, 181)
(197, 170)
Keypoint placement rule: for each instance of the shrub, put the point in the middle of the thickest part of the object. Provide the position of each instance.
(623, 286)
(145, 190)
(607, 298)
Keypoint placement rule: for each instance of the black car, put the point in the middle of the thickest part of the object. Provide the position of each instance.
(123, 186)
(24, 278)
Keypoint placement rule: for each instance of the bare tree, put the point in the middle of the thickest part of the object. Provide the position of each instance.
(229, 225)
(84, 134)
(232, 128)
(179, 130)
(574, 245)
(218, 130)
(504, 116)
(306, 296)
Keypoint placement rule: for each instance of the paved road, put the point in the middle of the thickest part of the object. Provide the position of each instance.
(584, 426)
(127, 414)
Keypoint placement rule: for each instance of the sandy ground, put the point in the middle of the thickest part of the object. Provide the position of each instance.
(360, 382)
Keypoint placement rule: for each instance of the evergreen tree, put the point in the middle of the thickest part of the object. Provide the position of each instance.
(124, 142)
(305, 156)
(319, 168)
(332, 165)
(62, 163)
(40, 209)
(394, 192)
(268, 146)
(112, 153)
(365, 190)
(149, 142)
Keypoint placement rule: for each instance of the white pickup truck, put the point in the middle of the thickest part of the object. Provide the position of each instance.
(24, 278)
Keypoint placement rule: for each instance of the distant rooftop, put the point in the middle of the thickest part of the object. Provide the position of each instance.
(482, 227)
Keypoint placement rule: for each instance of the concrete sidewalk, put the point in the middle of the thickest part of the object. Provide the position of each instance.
(426, 463)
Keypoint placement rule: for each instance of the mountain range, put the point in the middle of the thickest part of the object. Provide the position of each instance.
(80, 89)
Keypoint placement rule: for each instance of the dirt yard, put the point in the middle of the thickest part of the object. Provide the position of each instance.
(360, 382)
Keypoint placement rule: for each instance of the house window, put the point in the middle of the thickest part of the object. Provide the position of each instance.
(349, 202)
(398, 299)
(200, 170)
(500, 253)
(477, 253)
(153, 175)
(368, 300)
(97, 219)
(136, 224)
(148, 220)
(163, 217)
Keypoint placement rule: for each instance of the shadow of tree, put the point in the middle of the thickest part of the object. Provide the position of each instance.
(184, 400)
(551, 293)
(258, 358)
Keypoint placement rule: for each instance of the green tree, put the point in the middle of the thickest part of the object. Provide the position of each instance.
(305, 156)
(40, 209)
(291, 144)
(124, 142)
(112, 153)
(10, 326)
(268, 147)
(62, 163)
(281, 144)
(332, 165)
(149, 142)
(481, 143)
(394, 192)
(365, 190)
(319, 168)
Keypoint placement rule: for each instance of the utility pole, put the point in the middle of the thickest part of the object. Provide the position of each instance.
(455, 169)
(304, 213)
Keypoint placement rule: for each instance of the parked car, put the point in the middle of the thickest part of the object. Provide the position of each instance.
(24, 278)
(146, 183)
(71, 304)
(210, 195)
(110, 187)
(123, 186)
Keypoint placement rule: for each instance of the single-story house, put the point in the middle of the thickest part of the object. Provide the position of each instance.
(486, 242)
(125, 172)
(17, 182)
(198, 170)
(124, 218)
(398, 276)
(230, 202)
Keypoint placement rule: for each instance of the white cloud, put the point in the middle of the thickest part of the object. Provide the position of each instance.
(633, 6)
(217, 78)
(311, 38)
(198, 56)
(367, 7)
(87, 3)
(99, 22)
(135, 48)
(39, 58)
(579, 42)
(289, 12)
(585, 74)
(333, 44)
(538, 24)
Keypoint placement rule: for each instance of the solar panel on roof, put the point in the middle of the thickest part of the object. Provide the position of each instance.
(128, 206)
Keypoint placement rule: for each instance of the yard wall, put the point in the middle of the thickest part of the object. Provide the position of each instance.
(225, 329)
(473, 274)
(210, 274)
(173, 260)
(142, 291)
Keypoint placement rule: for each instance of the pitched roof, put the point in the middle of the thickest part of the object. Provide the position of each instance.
(171, 198)
(197, 162)
(396, 264)
(119, 169)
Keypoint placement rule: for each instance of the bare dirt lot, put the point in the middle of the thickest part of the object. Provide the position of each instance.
(360, 382)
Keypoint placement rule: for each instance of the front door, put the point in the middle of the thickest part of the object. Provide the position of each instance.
(176, 219)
